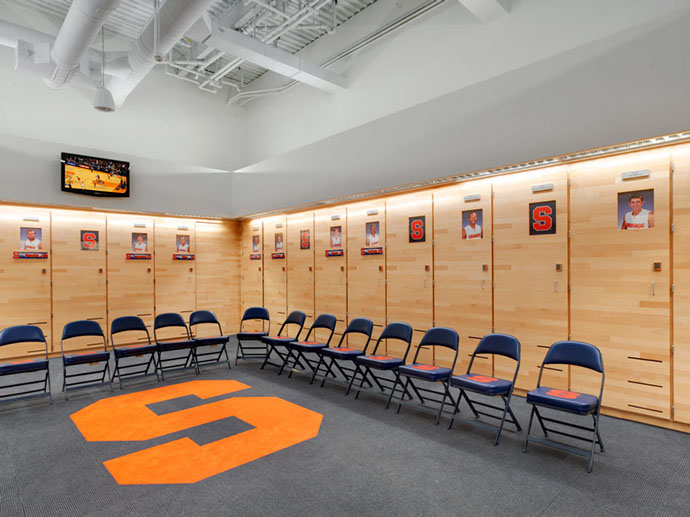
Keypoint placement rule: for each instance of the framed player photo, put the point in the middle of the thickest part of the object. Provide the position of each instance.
(304, 239)
(30, 239)
(183, 244)
(373, 238)
(636, 210)
(255, 244)
(140, 242)
(89, 240)
(472, 224)
(336, 236)
(278, 241)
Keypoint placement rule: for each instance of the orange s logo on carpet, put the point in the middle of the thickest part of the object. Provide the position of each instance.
(277, 423)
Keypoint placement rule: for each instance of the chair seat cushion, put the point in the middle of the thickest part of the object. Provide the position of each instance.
(425, 371)
(342, 353)
(481, 384)
(277, 340)
(29, 365)
(306, 346)
(212, 340)
(86, 357)
(251, 335)
(570, 401)
(134, 350)
(379, 362)
(176, 345)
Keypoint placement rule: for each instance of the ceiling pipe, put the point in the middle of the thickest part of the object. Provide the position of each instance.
(83, 22)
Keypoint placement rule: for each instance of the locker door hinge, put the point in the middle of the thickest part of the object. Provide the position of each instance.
(433, 283)
(570, 234)
(569, 337)
(673, 348)
(492, 239)
(570, 287)
(673, 288)
(493, 330)
(672, 227)
(385, 282)
(493, 284)
(673, 410)
(569, 182)
(433, 243)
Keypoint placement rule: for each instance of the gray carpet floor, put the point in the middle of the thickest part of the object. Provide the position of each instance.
(364, 461)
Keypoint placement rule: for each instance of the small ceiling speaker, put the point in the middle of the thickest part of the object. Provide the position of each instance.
(103, 101)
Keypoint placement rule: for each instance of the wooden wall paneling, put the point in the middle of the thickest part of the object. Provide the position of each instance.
(218, 273)
(462, 270)
(330, 295)
(681, 283)
(130, 282)
(366, 283)
(252, 279)
(79, 275)
(409, 266)
(618, 302)
(530, 295)
(25, 296)
(275, 271)
(300, 264)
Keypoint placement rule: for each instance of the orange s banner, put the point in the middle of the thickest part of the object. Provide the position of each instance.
(277, 423)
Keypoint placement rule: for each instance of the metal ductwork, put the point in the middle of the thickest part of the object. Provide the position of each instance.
(83, 22)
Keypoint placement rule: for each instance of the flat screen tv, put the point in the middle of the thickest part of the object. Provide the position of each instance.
(94, 176)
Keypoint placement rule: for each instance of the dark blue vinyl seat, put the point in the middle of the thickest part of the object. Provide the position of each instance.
(77, 329)
(23, 366)
(36, 387)
(135, 326)
(425, 371)
(380, 362)
(245, 349)
(569, 401)
(208, 318)
(484, 384)
(186, 342)
(298, 349)
(294, 319)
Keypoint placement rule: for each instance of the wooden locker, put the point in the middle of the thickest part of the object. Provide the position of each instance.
(410, 293)
(24, 283)
(252, 277)
(79, 275)
(175, 279)
(300, 264)
(618, 302)
(530, 293)
(366, 283)
(330, 294)
(275, 271)
(681, 283)
(130, 282)
(462, 270)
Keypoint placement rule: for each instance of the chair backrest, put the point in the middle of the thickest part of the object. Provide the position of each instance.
(82, 328)
(256, 313)
(21, 334)
(576, 353)
(169, 319)
(359, 326)
(198, 317)
(396, 330)
(323, 321)
(439, 336)
(294, 318)
(128, 324)
(499, 344)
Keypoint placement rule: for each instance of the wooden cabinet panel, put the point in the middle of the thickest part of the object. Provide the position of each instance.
(24, 283)
(300, 264)
(530, 294)
(331, 272)
(462, 269)
(252, 277)
(275, 274)
(175, 279)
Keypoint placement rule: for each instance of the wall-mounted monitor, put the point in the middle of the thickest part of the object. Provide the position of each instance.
(94, 176)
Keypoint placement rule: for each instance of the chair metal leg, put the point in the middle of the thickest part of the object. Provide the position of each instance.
(269, 350)
(541, 422)
(316, 370)
(287, 358)
(455, 410)
(529, 429)
(469, 403)
(503, 420)
(395, 384)
(367, 371)
(596, 426)
(446, 392)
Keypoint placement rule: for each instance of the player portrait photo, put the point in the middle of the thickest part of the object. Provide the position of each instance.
(255, 244)
(31, 239)
(278, 242)
(140, 242)
(372, 234)
(472, 224)
(636, 210)
(336, 236)
(183, 244)
(304, 239)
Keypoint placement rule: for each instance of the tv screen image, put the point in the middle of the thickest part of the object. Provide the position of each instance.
(94, 176)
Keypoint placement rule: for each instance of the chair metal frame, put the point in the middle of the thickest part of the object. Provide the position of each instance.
(121, 353)
(96, 331)
(240, 351)
(222, 340)
(272, 347)
(30, 393)
(190, 360)
(322, 321)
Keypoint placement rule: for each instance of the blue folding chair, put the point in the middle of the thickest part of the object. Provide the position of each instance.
(133, 324)
(248, 352)
(273, 342)
(301, 347)
(362, 326)
(25, 334)
(174, 320)
(435, 337)
(366, 365)
(84, 328)
(574, 353)
(213, 356)
(491, 344)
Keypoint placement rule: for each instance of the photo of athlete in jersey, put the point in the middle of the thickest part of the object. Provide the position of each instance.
(472, 224)
(636, 210)
(372, 230)
(255, 244)
(30, 239)
(278, 242)
(336, 237)
(183, 244)
(140, 243)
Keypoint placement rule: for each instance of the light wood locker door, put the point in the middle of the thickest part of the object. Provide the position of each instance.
(462, 269)
(681, 283)
(218, 272)
(252, 280)
(410, 293)
(618, 302)
(300, 264)
(366, 283)
(79, 275)
(24, 283)
(130, 282)
(175, 279)
(275, 271)
(331, 272)
(530, 294)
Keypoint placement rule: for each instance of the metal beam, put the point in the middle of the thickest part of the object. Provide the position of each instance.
(485, 10)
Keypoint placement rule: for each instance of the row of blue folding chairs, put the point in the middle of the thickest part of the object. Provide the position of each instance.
(159, 355)
(361, 367)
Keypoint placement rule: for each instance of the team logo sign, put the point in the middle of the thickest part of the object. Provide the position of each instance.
(277, 424)
(542, 218)
(304, 240)
(89, 240)
(418, 228)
